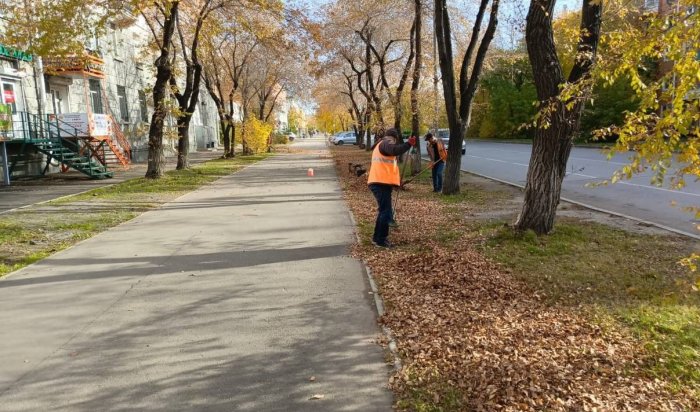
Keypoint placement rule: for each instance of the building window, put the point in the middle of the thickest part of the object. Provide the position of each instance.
(203, 113)
(144, 107)
(120, 70)
(123, 107)
(8, 95)
(96, 96)
(651, 5)
(56, 101)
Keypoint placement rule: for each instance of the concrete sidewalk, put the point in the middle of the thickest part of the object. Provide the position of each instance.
(228, 299)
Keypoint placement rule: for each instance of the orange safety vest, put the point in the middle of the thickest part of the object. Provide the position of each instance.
(384, 169)
(441, 151)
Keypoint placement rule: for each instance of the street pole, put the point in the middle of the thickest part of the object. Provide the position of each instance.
(5, 165)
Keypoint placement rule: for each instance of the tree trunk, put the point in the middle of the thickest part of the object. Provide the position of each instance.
(183, 142)
(550, 153)
(156, 157)
(232, 131)
(446, 62)
(554, 139)
(415, 114)
(223, 124)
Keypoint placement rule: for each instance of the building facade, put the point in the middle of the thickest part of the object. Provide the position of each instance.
(116, 82)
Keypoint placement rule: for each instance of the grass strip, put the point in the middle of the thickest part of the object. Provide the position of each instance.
(31, 234)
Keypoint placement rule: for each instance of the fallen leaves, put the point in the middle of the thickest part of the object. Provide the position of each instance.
(469, 332)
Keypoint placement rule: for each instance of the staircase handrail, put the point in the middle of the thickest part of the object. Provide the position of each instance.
(47, 125)
(121, 139)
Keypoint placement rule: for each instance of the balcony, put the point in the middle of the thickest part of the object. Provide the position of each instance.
(88, 65)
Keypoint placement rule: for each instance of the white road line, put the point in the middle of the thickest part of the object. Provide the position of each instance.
(497, 160)
(599, 161)
(570, 157)
(583, 159)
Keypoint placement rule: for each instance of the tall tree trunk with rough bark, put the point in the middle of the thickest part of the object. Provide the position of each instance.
(223, 125)
(183, 141)
(164, 71)
(415, 114)
(188, 99)
(555, 131)
(459, 114)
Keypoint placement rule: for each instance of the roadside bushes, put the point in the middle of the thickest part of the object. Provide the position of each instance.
(279, 138)
(255, 135)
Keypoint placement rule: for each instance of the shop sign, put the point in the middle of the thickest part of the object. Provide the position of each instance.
(8, 95)
(10, 53)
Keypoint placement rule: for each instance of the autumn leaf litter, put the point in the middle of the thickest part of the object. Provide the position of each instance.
(463, 325)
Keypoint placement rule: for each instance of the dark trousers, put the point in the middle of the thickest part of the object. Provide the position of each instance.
(437, 170)
(383, 195)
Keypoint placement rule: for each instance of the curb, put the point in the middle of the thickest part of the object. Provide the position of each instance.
(378, 301)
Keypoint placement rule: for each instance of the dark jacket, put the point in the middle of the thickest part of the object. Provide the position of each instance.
(390, 149)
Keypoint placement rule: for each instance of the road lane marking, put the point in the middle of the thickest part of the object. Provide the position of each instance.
(497, 160)
(571, 157)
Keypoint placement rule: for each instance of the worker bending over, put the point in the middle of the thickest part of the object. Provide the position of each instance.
(384, 175)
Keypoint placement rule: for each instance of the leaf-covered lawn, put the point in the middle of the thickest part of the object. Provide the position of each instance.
(475, 333)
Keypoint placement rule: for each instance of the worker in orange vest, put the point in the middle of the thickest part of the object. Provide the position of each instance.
(438, 157)
(384, 175)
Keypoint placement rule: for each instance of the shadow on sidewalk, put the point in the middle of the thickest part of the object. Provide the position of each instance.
(140, 266)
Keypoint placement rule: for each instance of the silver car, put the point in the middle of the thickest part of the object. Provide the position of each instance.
(344, 138)
(444, 134)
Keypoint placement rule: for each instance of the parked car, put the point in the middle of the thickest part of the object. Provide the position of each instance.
(344, 138)
(444, 134)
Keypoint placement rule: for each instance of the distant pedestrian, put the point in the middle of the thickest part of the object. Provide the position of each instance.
(384, 175)
(438, 157)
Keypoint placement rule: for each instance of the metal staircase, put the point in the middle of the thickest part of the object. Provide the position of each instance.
(60, 142)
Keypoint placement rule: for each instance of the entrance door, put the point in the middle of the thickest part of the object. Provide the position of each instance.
(12, 96)
(58, 99)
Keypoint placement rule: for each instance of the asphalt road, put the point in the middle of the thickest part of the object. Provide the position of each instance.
(637, 197)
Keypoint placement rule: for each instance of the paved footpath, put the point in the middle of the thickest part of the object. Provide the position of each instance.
(228, 299)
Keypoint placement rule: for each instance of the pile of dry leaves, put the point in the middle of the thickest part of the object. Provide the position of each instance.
(472, 337)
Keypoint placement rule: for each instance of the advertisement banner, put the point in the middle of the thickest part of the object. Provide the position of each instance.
(5, 121)
(86, 125)
(74, 123)
(100, 126)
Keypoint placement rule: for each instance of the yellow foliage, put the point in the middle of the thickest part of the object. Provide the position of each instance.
(255, 135)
